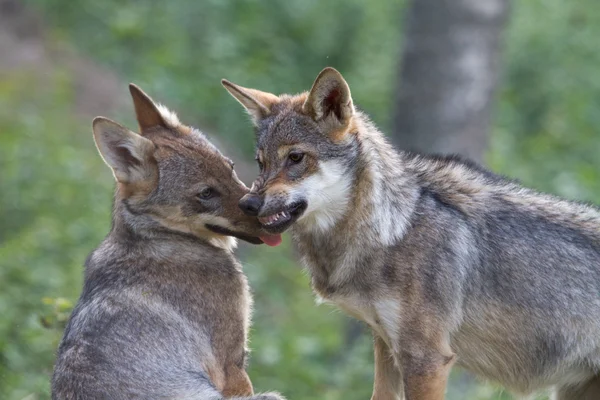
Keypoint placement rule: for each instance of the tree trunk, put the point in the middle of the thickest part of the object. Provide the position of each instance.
(449, 69)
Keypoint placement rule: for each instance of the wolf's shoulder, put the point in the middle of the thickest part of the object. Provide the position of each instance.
(456, 175)
(476, 191)
(440, 165)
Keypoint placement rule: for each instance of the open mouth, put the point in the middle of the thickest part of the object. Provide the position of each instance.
(224, 231)
(271, 240)
(280, 221)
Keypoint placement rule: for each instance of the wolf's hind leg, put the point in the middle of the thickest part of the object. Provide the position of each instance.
(589, 390)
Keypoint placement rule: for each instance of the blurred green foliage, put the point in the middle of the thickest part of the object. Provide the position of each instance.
(55, 193)
(54, 203)
(547, 125)
(183, 49)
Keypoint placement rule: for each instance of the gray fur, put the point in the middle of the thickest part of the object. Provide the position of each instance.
(443, 259)
(165, 308)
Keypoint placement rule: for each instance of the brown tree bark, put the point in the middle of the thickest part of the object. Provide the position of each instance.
(448, 73)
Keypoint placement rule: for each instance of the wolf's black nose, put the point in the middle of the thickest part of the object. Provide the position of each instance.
(250, 204)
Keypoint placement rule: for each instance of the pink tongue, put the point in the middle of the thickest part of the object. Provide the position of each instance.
(271, 240)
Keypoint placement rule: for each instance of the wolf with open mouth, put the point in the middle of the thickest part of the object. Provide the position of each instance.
(445, 261)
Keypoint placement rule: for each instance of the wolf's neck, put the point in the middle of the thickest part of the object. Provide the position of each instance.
(386, 193)
(375, 195)
(376, 214)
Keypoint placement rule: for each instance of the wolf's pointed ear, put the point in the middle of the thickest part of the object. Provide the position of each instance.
(128, 154)
(329, 97)
(257, 103)
(147, 112)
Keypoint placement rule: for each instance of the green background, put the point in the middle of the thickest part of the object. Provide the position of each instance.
(55, 192)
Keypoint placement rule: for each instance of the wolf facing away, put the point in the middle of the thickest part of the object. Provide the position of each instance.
(445, 261)
(165, 307)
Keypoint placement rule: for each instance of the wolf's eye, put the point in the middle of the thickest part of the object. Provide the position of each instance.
(296, 157)
(206, 194)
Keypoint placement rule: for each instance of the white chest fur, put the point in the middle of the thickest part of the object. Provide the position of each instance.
(382, 316)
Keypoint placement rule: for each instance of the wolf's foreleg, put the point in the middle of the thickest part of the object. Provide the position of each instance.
(426, 365)
(388, 377)
(237, 384)
(211, 394)
(237, 387)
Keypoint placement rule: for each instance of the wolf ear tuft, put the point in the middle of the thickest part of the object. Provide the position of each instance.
(150, 114)
(329, 97)
(258, 104)
(128, 154)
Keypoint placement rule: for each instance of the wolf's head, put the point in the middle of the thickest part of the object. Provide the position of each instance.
(169, 176)
(306, 151)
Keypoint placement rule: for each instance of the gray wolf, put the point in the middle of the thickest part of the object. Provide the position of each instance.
(445, 261)
(165, 307)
